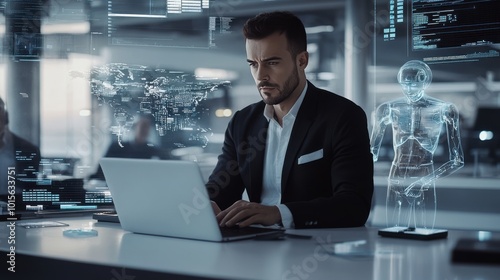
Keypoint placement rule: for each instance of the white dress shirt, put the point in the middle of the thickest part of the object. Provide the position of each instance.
(277, 143)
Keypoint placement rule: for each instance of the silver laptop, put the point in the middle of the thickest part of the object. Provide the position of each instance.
(168, 198)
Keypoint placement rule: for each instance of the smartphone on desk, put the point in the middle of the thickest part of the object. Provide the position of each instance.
(469, 250)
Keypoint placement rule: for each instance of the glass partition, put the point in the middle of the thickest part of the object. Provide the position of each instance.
(460, 42)
(158, 79)
(76, 76)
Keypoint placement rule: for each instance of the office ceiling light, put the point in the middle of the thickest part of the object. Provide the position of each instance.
(223, 113)
(319, 29)
(85, 113)
(66, 28)
(485, 135)
(212, 73)
(326, 76)
(312, 47)
(136, 15)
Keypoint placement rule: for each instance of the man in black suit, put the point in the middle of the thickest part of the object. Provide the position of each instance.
(302, 153)
(15, 152)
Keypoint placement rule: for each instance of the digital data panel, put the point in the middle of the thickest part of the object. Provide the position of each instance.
(438, 32)
(160, 23)
(438, 25)
(175, 99)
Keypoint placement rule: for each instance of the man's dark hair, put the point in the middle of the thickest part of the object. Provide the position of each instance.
(265, 24)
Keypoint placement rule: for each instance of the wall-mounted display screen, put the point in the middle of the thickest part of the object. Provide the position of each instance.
(439, 32)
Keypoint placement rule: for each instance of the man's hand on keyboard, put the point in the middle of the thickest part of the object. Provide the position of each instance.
(244, 213)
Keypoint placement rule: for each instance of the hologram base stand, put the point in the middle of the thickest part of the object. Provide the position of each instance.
(413, 233)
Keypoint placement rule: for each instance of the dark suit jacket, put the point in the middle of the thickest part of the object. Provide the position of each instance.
(334, 190)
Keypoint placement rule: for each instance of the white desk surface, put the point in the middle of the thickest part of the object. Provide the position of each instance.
(380, 258)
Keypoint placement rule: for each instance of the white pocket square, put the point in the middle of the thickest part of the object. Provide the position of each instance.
(311, 156)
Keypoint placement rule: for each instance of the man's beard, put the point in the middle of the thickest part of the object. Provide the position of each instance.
(288, 88)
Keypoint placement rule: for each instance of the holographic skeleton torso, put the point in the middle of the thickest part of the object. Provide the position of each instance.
(417, 122)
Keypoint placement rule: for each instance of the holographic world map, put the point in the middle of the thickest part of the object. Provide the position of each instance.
(175, 99)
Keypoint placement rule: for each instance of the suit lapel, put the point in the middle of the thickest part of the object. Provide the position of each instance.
(303, 122)
(259, 130)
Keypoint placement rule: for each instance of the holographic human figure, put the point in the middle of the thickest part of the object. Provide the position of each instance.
(417, 121)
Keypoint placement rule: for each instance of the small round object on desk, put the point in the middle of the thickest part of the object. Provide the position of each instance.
(79, 233)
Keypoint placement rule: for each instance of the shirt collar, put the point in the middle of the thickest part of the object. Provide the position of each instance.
(269, 109)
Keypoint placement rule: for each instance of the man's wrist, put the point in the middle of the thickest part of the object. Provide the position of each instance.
(286, 218)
